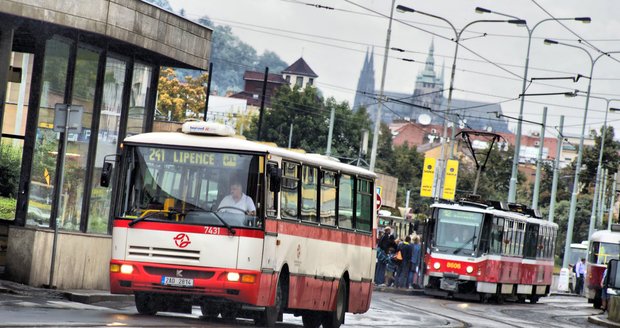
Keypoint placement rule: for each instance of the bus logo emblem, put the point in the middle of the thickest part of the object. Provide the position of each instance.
(182, 240)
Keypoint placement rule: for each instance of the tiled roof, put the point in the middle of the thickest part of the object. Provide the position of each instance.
(260, 76)
(300, 67)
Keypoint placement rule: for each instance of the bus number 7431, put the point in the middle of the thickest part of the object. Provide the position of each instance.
(212, 230)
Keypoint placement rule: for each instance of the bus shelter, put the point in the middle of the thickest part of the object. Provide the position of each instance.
(105, 58)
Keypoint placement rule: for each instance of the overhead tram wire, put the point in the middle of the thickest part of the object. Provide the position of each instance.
(487, 61)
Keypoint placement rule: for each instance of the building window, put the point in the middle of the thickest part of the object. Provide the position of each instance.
(140, 88)
(288, 79)
(111, 106)
(311, 81)
(299, 81)
(43, 175)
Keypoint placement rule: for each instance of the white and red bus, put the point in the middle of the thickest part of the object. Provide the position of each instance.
(604, 246)
(488, 250)
(308, 249)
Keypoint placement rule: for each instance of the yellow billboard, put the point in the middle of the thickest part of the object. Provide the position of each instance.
(428, 176)
(449, 185)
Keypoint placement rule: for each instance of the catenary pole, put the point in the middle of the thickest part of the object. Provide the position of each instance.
(539, 160)
(556, 169)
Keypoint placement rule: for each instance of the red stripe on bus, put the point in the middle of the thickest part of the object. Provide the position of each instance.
(320, 233)
(190, 228)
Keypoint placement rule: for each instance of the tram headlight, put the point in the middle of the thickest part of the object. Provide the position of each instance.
(469, 269)
(436, 265)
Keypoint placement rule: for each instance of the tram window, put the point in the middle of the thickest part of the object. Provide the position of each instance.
(345, 201)
(603, 252)
(364, 205)
(289, 197)
(309, 193)
(328, 198)
(497, 232)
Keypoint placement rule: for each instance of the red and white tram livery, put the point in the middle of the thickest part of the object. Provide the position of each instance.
(477, 250)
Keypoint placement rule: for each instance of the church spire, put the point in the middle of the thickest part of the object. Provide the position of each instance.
(430, 59)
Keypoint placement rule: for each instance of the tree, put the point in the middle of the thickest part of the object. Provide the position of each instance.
(591, 154)
(179, 97)
(580, 225)
(309, 115)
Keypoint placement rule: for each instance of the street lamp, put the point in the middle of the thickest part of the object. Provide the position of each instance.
(457, 38)
(597, 181)
(512, 191)
(573, 200)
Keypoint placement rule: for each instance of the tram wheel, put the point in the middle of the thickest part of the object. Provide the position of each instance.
(534, 299)
(311, 320)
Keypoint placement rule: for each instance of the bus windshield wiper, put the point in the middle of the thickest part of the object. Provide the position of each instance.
(230, 229)
(219, 218)
(142, 218)
(464, 244)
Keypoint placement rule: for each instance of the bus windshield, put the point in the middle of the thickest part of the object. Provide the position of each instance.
(189, 186)
(601, 252)
(457, 230)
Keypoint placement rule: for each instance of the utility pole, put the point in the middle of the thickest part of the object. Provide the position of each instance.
(328, 151)
(262, 105)
(610, 218)
(208, 91)
(539, 159)
(375, 138)
(556, 169)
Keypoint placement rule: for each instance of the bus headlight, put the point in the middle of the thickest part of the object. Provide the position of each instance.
(127, 269)
(436, 265)
(469, 269)
(232, 276)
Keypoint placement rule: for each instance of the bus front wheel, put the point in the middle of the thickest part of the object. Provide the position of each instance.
(270, 315)
(145, 303)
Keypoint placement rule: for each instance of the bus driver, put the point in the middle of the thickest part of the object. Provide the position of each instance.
(237, 201)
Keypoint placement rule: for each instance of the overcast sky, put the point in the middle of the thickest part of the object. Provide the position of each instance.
(334, 43)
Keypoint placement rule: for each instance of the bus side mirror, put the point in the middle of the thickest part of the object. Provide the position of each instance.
(275, 177)
(106, 174)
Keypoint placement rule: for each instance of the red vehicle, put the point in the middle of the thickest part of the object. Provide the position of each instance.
(482, 251)
(302, 244)
(604, 246)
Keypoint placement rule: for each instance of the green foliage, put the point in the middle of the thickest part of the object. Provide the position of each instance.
(309, 114)
(591, 156)
(7, 208)
(10, 163)
(231, 57)
(580, 225)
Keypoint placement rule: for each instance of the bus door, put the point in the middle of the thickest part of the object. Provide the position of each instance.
(272, 188)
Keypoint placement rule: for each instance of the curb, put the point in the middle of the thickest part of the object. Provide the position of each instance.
(601, 321)
(399, 291)
(88, 298)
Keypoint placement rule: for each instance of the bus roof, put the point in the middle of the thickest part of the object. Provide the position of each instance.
(606, 236)
(211, 142)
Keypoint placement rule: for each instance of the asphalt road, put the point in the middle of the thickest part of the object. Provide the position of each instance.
(387, 310)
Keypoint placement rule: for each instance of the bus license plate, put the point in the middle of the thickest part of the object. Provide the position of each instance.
(177, 282)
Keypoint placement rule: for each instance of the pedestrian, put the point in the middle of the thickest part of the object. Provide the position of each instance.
(390, 268)
(406, 250)
(604, 295)
(571, 278)
(383, 247)
(580, 273)
(415, 262)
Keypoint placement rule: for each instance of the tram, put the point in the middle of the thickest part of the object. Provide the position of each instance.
(486, 251)
(604, 246)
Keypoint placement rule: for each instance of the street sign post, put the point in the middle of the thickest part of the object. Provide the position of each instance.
(67, 118)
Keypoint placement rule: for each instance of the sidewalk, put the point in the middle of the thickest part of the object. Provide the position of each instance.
(601, 320)
(75, 295)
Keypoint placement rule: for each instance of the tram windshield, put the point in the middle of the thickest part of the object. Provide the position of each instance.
(457, 230)
(196, 187)
(601, 252)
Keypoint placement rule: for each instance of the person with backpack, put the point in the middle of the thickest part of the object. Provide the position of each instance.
(415, 262)
(406, 250)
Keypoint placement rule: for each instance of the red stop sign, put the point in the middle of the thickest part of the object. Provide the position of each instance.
(378, 201)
